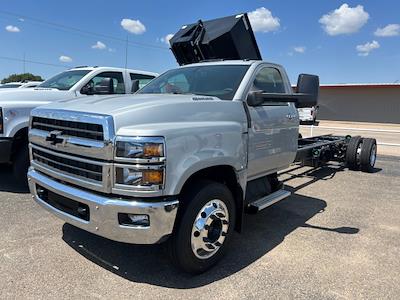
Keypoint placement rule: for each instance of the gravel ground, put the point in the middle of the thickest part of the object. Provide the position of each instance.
(337, 237)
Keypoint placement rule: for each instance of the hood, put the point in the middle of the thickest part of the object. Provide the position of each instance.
(8, 89)
(144, 109)
(39, 95)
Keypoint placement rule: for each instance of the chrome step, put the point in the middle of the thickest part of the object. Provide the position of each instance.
(266, 201)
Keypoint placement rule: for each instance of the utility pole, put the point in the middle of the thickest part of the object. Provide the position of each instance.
(126, 52)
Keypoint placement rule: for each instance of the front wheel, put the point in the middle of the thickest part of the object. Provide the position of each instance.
(204, 228)
(21, 164)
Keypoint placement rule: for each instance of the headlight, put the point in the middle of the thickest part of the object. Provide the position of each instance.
(140, 163)
(1, 121)
(136, 148)
(133, 177)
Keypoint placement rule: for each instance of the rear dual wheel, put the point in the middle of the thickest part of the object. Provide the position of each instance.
(361, 154)
(368, 155)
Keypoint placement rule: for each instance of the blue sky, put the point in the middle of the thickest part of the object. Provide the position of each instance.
(337, 40)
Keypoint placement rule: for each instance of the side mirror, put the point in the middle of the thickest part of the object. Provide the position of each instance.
(308, 85)
(87, 89)
(106, 87)
(135, 86)
(255, 98)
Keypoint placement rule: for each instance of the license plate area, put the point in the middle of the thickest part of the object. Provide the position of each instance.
(64, 204)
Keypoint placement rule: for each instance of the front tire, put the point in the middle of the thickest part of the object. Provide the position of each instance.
(21, 164)
(204, 228)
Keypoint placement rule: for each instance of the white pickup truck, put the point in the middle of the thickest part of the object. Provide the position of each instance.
(19, 85)
(16, 104)
(308, 114)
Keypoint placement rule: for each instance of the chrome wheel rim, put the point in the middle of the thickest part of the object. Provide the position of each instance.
(372, 157)
(358, 154)
(210, 229)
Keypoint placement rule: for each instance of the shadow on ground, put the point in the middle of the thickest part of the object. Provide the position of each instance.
(262, 233)
(8, 183)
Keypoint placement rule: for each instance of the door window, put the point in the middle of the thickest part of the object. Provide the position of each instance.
(116, 77)
(143, 79)
(269, 80)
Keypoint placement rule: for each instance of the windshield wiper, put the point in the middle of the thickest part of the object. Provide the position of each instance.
(193, 94)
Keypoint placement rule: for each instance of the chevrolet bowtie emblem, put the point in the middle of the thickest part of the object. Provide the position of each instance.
(53, 137)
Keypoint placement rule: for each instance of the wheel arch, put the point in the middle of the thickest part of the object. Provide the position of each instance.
(226, 175)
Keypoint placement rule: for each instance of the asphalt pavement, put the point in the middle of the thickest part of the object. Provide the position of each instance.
(337, 237)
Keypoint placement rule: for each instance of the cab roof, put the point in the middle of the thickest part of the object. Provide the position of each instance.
(113, 69)
(244, 62)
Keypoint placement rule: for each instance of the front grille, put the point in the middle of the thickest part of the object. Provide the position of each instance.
(70, 166)
(70, 128)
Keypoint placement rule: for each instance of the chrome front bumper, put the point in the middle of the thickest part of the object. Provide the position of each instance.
(104, 212)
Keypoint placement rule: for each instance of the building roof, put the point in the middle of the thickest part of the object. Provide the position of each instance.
(359, 85)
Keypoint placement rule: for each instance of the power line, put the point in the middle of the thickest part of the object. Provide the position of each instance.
(34, 62)
(80, 31)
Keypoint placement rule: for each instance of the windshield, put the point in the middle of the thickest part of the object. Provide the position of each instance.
(64, 81)
(10, 86)
(220, 81)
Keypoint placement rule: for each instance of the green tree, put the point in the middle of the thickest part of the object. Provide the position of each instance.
(22, 77)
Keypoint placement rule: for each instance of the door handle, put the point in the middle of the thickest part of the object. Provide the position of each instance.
(290, 116)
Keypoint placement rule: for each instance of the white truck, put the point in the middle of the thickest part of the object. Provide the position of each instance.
(185, 157)
(308, 115)
(19, 85)
(16, 104)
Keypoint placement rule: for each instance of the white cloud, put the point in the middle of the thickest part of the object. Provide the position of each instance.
(364, 50)
(21, 20)
(167, 38)
(64, 58)
(99, 45)
(300, 49)
(344, 20)
(389, 30)
(11, 28)
(133, 26)
(111, 50)
(262, 20)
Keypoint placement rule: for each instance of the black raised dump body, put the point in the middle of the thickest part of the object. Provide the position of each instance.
(227, 38)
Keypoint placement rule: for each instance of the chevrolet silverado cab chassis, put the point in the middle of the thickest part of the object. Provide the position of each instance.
(184, 158)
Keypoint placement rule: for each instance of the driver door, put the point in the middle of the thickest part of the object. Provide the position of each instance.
(273, 135)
